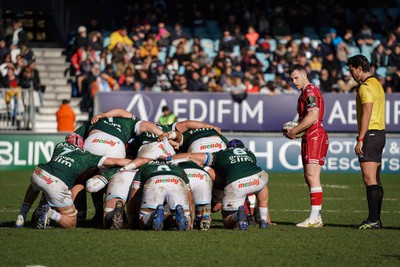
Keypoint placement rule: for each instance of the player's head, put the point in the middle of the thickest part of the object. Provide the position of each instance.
(235, 143)
(75, 139)
(358, 61)
(298, 75)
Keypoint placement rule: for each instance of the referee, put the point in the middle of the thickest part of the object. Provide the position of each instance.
(370, 105)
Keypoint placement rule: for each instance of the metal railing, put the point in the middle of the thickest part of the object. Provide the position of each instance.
(17, 108)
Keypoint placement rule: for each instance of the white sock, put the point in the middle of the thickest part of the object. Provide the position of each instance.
(264, 213)
(315, 212)
(54, 215)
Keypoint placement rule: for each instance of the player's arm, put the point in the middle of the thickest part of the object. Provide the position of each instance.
(98, 182)
(305, 123)
(112, 113)
(116, 162)
(147, 126)
(365, 119)
(202, 159)
(183, 126)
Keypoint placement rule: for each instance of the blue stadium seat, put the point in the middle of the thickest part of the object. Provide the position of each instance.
(272, 42)
(261, 57)
(172, 50)
(216, 44)
(381, 71)
(162, 55)
(236, 51)
(366, 50)
(269, 77)
(354, 50)
(208, 47)
(106, 41)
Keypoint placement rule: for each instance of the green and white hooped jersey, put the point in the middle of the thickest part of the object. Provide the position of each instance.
(234, 163)
(159, 167)
(69, 161)
(122, 128)
(190, 136)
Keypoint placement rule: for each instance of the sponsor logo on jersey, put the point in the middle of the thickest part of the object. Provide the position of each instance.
(167, 180)
(254, 182)
(164, 150)
(46, 178)
(195, 175)
(104, 141)
(210, 146)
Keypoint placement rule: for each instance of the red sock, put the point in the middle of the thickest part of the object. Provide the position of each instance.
(316, 195)
(246, 207)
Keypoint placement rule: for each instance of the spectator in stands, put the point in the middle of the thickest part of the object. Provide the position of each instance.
(378, 57)
(394, 60)
(19, 37)
(122, 66)
(65, 117)
(326, 81)
(104, 83)
(364, 36)
(227, 43)
(251, 37)
(163, 37)
(178, 35)
(81, 39)
(227, 86)
(251, 86)
(195, 83)
(148, 48)
(347, 84)
(30, 78)
(198, 56)
(13, 96)
(129, 83)
(96, 40)
(331, 63)
(239, 90)
(87, 101)
(316, 64)
(137, 35)
(4, 49)
(292, 50)
(180, 55)
(162, 84)
(81, 55)
(120, 36)
(307, 48)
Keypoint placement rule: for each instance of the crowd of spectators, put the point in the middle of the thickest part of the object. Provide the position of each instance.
(18, 72)
(159, 48)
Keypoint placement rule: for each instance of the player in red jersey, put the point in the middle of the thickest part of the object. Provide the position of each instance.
(314, 143)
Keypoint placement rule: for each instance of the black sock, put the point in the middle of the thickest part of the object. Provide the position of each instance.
(380, 201)
(373, 202)
(98, 201)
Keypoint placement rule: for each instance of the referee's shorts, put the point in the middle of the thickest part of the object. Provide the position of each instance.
(374, 142)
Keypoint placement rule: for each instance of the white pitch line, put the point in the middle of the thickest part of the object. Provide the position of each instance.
(337, 211)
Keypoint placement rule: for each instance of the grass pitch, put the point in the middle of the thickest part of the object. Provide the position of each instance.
(339, 243)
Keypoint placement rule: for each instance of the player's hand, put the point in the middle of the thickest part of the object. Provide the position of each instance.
(217, 129)
(162, 137)
(290, 134)
(358, 149)
(96, 118)
(174, 144)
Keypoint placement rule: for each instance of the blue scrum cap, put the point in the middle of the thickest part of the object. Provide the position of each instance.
(235, 143)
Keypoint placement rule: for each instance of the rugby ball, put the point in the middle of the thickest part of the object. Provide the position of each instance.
(290, 125)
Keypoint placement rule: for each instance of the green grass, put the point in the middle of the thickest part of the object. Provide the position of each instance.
(337, 244)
